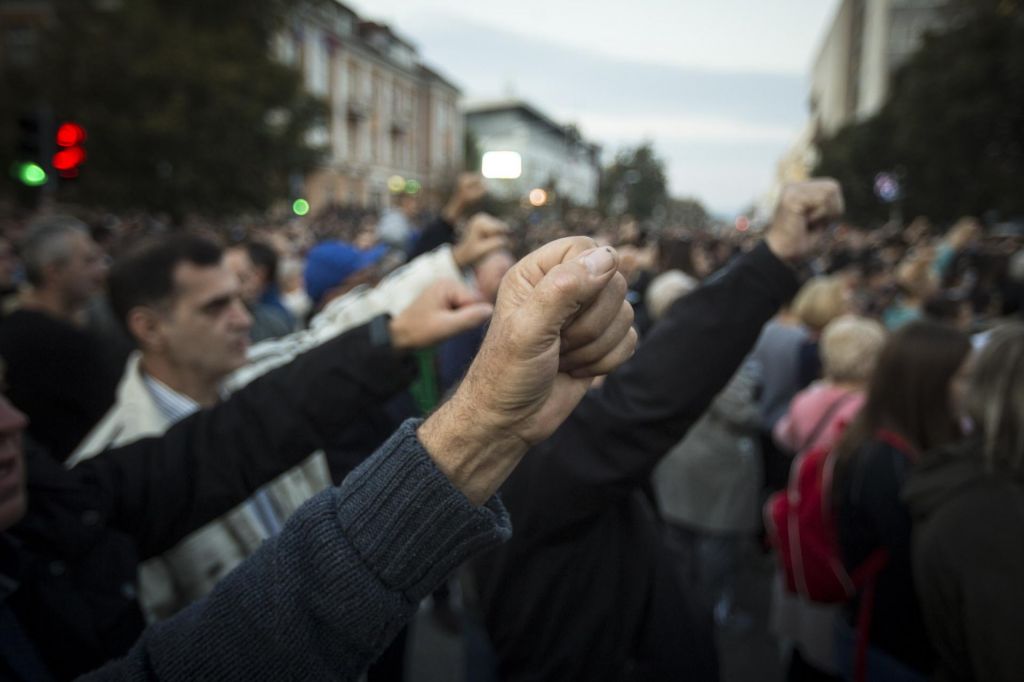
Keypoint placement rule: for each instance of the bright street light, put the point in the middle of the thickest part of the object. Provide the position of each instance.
(502, 165)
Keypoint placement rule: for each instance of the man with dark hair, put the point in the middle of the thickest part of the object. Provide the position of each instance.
(255, 265)
(58, 374)
(184, 309)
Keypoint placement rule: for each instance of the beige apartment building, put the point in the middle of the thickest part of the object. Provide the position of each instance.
(865, 43)
(390, 115)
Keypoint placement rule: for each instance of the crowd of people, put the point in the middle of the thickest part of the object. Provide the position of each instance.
(250, 450)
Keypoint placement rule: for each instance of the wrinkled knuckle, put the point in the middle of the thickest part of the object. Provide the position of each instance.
(565, 283)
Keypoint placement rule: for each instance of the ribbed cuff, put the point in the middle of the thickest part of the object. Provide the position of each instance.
(409, 523)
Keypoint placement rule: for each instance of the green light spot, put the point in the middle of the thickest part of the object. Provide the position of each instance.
(300, 207)
(413, 187)
(31, 174)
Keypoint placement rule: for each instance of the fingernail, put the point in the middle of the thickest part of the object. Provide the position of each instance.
(600, 261)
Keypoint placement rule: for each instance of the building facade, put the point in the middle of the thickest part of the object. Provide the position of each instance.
(865, 43)
(553, 156)
(389, 114)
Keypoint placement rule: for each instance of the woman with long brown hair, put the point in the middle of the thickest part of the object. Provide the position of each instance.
(968, 507)
(910, 409)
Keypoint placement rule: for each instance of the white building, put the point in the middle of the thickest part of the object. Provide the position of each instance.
(553, 156)
(865, 43)
(852, 73)
(390, 115)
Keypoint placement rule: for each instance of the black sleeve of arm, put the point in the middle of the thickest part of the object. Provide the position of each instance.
(616, 436)
(160, 489)
(436, 233)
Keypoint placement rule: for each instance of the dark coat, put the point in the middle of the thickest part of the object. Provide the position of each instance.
(968, 558)
(76, 552)
(586, 589)
(870, 515)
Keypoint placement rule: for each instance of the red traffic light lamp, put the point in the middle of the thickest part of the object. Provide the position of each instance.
(71, 155)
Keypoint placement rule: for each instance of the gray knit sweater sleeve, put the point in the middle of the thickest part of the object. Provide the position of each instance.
(326, 596)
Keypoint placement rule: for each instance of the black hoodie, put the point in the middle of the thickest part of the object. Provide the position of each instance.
(968, 559)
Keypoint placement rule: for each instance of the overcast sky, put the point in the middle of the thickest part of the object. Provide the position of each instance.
(719, 86)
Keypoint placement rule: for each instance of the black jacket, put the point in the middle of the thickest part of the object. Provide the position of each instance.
(871, 515)
(968, 559)
(60, 376)
(75, 555)
(586, 589)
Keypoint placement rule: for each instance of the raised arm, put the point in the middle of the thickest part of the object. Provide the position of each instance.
(323, 598)
(160, 489)
(611, 443)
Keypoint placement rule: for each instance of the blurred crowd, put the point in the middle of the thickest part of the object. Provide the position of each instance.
(180, 409)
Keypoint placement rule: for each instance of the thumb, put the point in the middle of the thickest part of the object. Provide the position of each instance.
(570, 286)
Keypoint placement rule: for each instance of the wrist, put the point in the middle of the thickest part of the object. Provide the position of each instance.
(474, 452)
(460, 255)
(783, 249)
(398, 334)
(451, 212)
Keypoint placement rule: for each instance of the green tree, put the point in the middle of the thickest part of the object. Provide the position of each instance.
(185, 106)
(471, 152)
(634, 183)
(954, 123)
(689, 213)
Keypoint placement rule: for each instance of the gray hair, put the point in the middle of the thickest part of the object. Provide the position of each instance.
(47, 243)
(665, 289)
(995, 398)
(849, 348)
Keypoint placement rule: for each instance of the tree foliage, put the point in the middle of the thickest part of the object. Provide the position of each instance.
(953, 126)
(185, 105)
(689, 213)
(635, 183)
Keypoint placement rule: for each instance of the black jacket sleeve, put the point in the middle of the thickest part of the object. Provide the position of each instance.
(160, 489)
(613, 440)
(436, 233)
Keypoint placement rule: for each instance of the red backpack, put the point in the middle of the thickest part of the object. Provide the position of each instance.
(802, 529)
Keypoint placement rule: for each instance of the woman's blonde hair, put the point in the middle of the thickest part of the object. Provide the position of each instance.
(820, 301)
(849, 348)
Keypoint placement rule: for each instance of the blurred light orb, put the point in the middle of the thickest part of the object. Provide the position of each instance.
(538, 197)
(396, 184)
(300, 207)
(413, 187)
(31, 174)
(501, 165)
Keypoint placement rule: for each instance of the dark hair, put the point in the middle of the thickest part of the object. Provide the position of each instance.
(144, 275)
(264, 256)
(676, 253)
(910, 390)
(46, 243)
(944, 307)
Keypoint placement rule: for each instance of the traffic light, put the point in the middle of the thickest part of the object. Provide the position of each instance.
(70, 154)
(28, 168)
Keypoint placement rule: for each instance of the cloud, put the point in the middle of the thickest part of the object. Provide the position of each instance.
(721, 134)
(684, 127)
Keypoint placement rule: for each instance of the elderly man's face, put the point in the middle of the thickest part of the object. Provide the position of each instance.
(82, 276)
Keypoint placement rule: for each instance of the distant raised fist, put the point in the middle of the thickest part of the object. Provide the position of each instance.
(802, 206)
